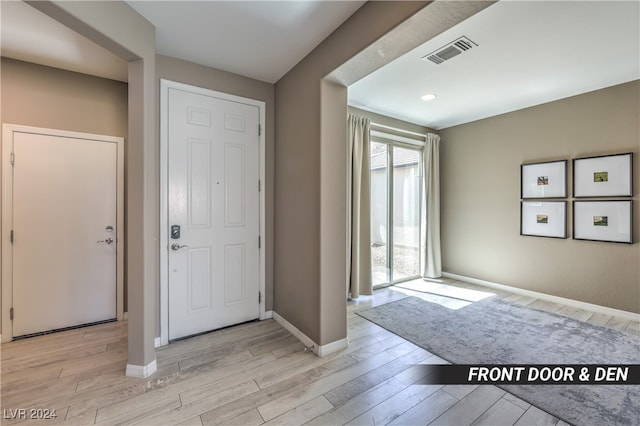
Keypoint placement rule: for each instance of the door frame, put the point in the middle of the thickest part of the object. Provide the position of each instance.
(8, 131)
(165, 85)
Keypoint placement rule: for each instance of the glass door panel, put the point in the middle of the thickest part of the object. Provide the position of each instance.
(379, 213)
(406, 213)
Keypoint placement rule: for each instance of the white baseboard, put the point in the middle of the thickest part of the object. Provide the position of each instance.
(320, 351)
(141, 371)
(549, 298)
(267, 315)
(294, 330)
(332, 347)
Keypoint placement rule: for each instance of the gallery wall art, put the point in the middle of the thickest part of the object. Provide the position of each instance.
(597, 216)
(603, 176)
(544, 180)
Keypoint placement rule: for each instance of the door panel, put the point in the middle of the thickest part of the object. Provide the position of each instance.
(213, 173)
(65, 197)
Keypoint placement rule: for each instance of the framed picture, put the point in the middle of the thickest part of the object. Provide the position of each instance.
(610, 221)
(543, 180)
(543, 218)
(603, 176)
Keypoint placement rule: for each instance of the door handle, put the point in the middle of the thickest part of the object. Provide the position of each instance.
(176, 246)
(107, 241)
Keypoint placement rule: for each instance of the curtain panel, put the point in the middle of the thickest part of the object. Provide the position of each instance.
(431, 165)
(360, 281)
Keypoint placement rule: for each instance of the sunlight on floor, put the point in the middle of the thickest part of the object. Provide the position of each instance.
(436, 291)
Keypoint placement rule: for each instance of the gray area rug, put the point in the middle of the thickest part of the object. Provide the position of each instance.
(494, 331)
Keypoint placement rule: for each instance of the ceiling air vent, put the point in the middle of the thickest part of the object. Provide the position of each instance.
(450, 50)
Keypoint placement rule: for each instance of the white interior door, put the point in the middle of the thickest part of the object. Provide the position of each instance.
(213, 174)
(64, 223)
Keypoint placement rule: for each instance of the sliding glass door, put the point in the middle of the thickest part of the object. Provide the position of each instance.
(396, 180)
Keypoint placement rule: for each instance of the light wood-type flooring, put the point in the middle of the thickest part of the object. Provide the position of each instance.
(257, 373)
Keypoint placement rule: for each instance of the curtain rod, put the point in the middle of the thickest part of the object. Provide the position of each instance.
(395, 129)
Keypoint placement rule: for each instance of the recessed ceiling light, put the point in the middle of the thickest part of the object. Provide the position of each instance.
(429, 97)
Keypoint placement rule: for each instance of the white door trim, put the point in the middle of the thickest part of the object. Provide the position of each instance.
(8, 131)
(165, 85)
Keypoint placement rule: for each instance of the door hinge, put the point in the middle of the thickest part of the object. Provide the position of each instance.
(11, 314)
(259, 242)
(259, 129)
(259, 185)
(11, 236)
(259, 297)
(12, 159)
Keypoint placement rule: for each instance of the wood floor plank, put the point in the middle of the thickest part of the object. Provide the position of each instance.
(567, 311)
(248, 374)
(599, 319)
(293, 367)
(471, 407)
(178, 387)
(415, 373)
(136, 413)
(250, 418)
(617, 323)
(394, 407)
(633, 328)
(460, 391)
(536, 417)
(209, 360)
(517, 401)
(426, 410)
(296, 346)
(197, 408)
(341, 394)
(360, 404)
(502, 413)
(581, 315)
(273, 392)
(545, 305)
(193, 421)
(302, 413)
(285, 403)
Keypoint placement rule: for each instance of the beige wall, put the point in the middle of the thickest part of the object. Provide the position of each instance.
(35, 95)
(310, 202)
(39, 96)
(480, 178)
(197, 75)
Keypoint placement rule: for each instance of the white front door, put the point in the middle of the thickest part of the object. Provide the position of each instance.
(64, 232)
(214, 212)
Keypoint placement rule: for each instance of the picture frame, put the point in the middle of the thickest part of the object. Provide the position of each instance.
(543, 219)
(608, 221)
(543, 180)
(603, 176)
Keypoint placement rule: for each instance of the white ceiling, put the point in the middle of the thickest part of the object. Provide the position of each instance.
(258, 39)
(29, 35)
(528, 53)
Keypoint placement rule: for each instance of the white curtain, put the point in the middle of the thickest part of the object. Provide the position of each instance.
(360, 224)
(431, 165)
